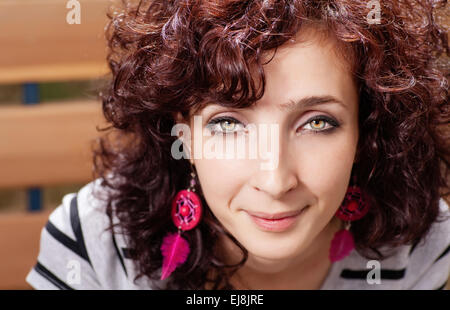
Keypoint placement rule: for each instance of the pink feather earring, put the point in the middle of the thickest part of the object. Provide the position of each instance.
(354, 207)
(186, 214)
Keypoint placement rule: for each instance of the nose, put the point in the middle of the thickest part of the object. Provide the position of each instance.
(278, 181)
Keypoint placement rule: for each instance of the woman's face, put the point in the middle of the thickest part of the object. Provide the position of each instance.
(314, 158)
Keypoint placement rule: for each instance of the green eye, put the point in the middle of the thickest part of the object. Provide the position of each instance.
(227, 125)
(224, 125)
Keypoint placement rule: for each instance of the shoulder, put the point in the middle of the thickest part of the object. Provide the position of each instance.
(77, 248)
(439, 235)
(436, 242)
(64, 261)
(427, 262)
(424, 265)
(108, 248)
(430, 258)
(104, 245)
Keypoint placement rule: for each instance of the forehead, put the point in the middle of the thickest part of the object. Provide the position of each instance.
(312, 64)
(308, 68)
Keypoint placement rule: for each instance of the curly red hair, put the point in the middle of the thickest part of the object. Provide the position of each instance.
(175, 56)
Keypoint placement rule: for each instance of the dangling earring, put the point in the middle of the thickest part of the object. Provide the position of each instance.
(354, 207)
(186, 214)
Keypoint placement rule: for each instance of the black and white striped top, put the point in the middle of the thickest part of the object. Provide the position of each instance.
(77, 253)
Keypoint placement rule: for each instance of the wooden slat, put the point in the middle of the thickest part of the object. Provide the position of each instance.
(54, 72)
(47, 144)
(37, 44)
(19, 241)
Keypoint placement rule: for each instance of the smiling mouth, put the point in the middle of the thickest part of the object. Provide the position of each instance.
(279, 222)
(275, 216)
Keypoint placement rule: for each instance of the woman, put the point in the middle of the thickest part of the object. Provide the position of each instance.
(351, 117)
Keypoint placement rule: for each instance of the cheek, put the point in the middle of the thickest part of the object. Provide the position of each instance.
(220, 181)
(326, 171)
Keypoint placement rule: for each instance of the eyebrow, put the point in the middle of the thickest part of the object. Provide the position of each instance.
(306, 102)
(310, 101)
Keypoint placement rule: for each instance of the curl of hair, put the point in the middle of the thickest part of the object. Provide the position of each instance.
(176, 56)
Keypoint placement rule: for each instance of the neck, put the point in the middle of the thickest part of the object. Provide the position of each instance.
(307, 271)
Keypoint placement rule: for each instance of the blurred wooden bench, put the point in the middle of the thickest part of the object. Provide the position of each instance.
(39, 45)
(19, 241)
(46, 143)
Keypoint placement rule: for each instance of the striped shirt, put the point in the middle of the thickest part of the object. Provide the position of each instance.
(76, 252)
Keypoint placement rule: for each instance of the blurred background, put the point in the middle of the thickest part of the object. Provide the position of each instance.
(52, 66)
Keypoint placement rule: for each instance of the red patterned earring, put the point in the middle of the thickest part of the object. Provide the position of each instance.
(354, 206)
(186, 214)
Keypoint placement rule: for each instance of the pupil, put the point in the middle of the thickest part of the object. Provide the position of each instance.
(227, 124)
(317, 122)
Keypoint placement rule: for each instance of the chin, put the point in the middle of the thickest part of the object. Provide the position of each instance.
(275, 250)
(267, 262)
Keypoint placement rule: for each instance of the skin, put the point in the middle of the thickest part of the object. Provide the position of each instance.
(313, 170)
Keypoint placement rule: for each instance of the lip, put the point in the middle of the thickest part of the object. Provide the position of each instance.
(274, 216)
(275, 222)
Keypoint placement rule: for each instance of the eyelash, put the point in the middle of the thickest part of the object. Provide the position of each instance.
(334, 124)
(220, 119)
(328, 120)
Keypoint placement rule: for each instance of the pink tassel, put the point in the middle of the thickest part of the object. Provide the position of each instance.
(341, 245)
(175, 250)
